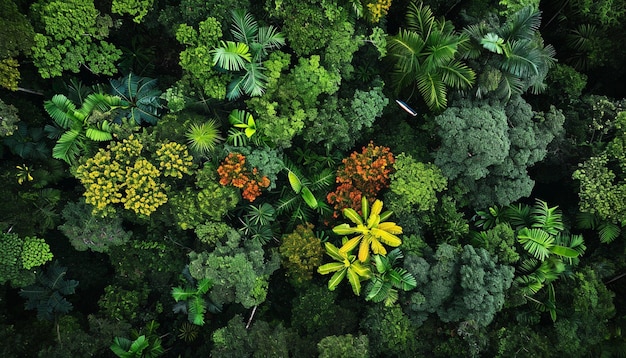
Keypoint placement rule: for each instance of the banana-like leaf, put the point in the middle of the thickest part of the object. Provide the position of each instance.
(330, 267)
(387, 238)
(564, 251)
(336, 279)
(377, 247)
(98, 134)
(361, 270)
(294, 181)
(384, 216)
(364, 248)
(309, 198)
(390, 227)
(373, 220)
(355, 281)
(344, 229)
(333, 252)
(365, 208)
(353, 216)
(377, 207)
(350, 245)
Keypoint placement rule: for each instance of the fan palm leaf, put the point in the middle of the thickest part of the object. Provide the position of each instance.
(420, 19)
(433, 90)
(269, 38)
(69, 146)
(536, 241)
(231, 55)
(522, 25)
(62, 111)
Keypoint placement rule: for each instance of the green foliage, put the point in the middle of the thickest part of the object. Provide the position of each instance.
(86, 231)
(123, 303)
(146, 345)
(136, 8)
(197, 58)
(291, 100)
(516, 59)
(235, 340)
(601, 178)
(501, 143)
(389, 331)
(344, 346)
(498, 241)
(462, 285)
(46, 296)
(211, 232)
(424, 56)
(195, 303)
(415, 185)
(141, 96)
(8, 119)
(207, 201)
(301, 252)
(317, 313)
(387, 279)
(72, 34)
(238, 270)
(268, 161)
(565, 82)
(93, 121)
(35, 252)
(247, 54)
(349, 119)
(17, 32)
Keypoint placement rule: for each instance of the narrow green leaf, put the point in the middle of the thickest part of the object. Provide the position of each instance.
(330, 267)
(336, 279)
(309, 198)
(295, 182)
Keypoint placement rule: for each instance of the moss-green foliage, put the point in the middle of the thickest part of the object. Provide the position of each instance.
(8, 119)
(86, 231)
(461, 285)
(17, 32)
(499, 242)
(487, 148)
(19, 256)
(239, 271)
(584, 325)
(390, 332)
(72, 34)
(414, 185)
(602, 180)
(35, 252)
(510, 7)
(565, 83)
(513, 339)
(349, 119)
(316, 313)
(193, 12)
(291, 99)
(136, 8)
(344, 346)
(260, 340)
(207, 201)
(123, 304)
(197, 59)
(212, 231)
(301, 253)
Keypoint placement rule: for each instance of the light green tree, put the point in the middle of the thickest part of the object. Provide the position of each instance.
(72, 35)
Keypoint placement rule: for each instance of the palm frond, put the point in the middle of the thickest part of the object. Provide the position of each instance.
(419, 18)
(322, 180)
(608, 232)
(269, 38)
(547, 218)
(244, 27)
(521, 61)
(231, 55)
(509, 85)
(101, 132)
(457, 75)
(536, 241)
(433, 90)
(69, 146)
(62, 111)
(522, 25)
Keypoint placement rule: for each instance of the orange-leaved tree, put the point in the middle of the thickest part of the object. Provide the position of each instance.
(233, 171)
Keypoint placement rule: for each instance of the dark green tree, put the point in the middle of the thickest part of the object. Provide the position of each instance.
(425, 57)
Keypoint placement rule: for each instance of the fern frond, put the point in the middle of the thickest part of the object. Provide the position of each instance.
(608, 232)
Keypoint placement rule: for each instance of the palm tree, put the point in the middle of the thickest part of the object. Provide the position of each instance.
(246, 54)
(517, 59)
(425, 54)
(75, 125)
